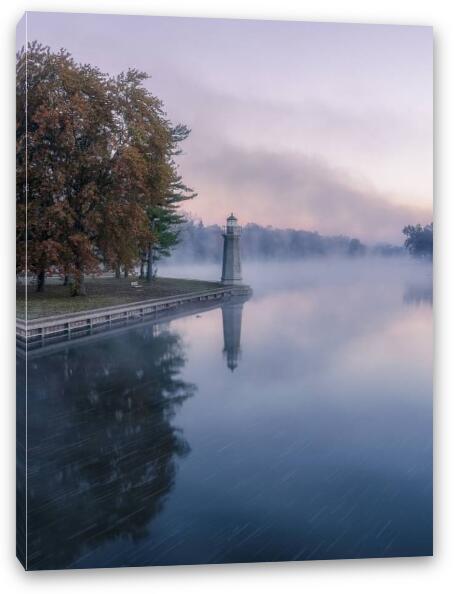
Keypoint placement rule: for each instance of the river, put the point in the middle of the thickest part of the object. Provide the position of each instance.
(294, 425)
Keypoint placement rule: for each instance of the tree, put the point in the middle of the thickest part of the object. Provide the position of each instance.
(35, 158)
(95, 154)
(165, 220)
(356, 248)
(147, 142)
(419, 240)
(65, 127)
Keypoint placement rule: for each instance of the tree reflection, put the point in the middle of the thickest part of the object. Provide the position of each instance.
(101, 447)
(418, 294)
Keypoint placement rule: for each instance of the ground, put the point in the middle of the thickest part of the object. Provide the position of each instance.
(101, 292)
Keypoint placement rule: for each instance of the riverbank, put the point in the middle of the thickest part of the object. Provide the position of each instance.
(101, 293)
(42, 330)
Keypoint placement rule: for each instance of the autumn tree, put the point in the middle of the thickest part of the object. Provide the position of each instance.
(99, 156)
(40, 179)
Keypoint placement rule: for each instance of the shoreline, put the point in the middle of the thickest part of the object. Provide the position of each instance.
(38, 332)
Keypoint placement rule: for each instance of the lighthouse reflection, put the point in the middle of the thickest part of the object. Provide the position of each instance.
(232, 314)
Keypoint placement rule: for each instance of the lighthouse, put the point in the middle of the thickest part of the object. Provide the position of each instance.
(231, 263)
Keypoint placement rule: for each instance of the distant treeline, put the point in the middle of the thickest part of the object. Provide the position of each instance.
(204, 243)
(419, 240)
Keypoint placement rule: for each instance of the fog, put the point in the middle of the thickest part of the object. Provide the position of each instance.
(203, 243)
(271, 276)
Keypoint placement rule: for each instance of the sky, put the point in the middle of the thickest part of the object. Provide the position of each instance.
(318, 126)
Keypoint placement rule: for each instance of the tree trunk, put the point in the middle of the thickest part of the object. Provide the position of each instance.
(126, 273)
(150, 263)
(79, 289)
(117, 271)
(40, 280)
(66, 280)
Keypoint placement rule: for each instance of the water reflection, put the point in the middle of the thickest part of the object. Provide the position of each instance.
(232, 313)
(102, 447)
(417, 294)
(318, 446)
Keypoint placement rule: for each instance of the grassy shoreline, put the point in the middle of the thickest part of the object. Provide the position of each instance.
(102, 292)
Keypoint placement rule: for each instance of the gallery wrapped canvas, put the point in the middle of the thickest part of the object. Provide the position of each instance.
(224, 291)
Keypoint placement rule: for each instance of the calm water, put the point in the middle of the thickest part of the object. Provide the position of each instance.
(296, 425)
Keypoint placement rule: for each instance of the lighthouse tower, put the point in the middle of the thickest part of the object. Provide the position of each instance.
(231, 264)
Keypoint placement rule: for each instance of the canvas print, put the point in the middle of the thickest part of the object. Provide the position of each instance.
(224, 291)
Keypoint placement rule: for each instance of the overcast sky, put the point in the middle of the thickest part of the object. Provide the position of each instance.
(316, 126)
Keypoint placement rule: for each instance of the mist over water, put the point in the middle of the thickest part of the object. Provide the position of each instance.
(294, 425)
(266, 276)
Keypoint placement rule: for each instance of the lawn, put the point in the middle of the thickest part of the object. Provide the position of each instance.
(101, 292)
